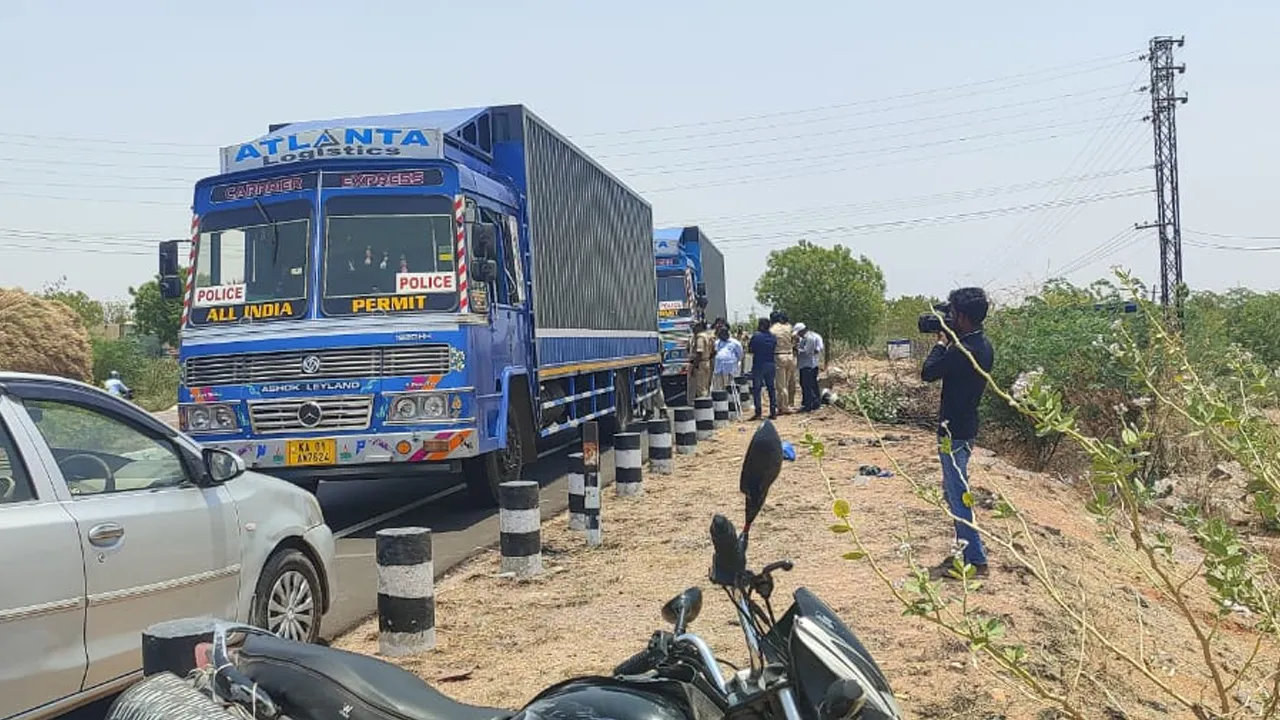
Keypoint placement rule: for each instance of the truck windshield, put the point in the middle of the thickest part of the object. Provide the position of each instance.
(251, 257)
(671, 288)
(389, 254)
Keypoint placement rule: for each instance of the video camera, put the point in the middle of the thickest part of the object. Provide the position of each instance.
(930, 324)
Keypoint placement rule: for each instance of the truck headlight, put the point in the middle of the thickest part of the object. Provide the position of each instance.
(210, 417)
(434, 406)
(404, 408)
(418, 406)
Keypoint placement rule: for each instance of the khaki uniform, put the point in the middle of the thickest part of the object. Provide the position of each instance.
(701, 359)
(788, 375)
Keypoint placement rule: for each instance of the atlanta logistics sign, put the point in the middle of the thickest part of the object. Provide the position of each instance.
(355, 143)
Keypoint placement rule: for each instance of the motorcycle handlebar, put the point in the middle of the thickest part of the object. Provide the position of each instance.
(637, 664)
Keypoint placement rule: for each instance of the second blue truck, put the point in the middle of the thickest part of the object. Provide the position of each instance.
(691, 288)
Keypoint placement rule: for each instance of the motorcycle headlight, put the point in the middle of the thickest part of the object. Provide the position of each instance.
(434, 406)
(404, 408)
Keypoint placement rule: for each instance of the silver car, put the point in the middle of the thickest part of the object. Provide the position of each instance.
(111, 521)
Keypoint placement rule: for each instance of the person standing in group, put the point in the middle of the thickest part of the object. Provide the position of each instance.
(729, 354)
(962, 388)
(700, 359)
(786, 361)
(809, 349)
(763, 347)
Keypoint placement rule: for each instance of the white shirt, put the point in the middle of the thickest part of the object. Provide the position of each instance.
(809, 350)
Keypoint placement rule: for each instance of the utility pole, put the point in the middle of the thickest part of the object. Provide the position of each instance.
(1164, 132)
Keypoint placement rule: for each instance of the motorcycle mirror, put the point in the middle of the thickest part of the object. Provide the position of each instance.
(760, 468)
(729, 561)
(683, 609)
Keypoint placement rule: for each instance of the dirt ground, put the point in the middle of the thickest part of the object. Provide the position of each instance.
(502, 640)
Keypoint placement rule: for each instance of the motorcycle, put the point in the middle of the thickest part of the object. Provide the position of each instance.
(806, 665)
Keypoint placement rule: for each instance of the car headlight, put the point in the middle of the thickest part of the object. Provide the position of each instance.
(434, 406)
(404, 408)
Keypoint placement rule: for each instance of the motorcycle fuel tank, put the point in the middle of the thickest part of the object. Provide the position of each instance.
(605, 699)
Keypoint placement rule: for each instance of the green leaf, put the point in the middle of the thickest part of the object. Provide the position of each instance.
(841, 509)
(839, 528)
(855, 555)
(967, 499)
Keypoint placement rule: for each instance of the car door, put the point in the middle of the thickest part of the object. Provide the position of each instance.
(42, 595)
(156, 546)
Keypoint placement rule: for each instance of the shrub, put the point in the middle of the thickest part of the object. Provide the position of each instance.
(42, 336)
(880, 401)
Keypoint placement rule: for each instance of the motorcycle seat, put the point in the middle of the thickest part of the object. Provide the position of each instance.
(316, 681)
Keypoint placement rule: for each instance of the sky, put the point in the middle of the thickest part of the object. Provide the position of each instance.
(997, 143)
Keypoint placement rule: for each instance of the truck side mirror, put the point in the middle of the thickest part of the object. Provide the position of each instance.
(169, 257)
(484, 240)
(487, 270)
(170, 287)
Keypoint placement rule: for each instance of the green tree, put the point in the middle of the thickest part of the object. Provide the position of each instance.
(153, 314)
(89, 310)
(828, 289)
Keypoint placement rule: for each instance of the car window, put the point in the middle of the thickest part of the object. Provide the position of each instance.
(15, 484)
(98, 453)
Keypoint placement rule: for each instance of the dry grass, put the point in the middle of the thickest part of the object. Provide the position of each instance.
(501, 640)
(42, 336)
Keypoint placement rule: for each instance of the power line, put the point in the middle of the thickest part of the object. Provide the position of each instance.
(912, 223)
(905, 96)
(897, 203)
(871, 126)
(1237, 248)
(1226, 236)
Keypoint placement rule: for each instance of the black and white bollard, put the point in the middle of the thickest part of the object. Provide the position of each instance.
(171, 646)
(638, 427)
(720, 408)
(577, 493)
(704, 414)
(406, 591)
(744, 393)
(591, 481)
(660, 459)
(686, 431)
(520, 527)
(627, 465)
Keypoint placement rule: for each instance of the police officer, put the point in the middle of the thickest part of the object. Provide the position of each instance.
(701, 352)
(787, 376)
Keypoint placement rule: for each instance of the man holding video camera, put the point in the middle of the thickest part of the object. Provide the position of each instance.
(962, 388)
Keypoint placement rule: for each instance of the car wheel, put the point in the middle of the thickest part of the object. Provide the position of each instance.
(288, 597)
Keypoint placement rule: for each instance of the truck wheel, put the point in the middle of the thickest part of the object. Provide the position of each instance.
(485, 473)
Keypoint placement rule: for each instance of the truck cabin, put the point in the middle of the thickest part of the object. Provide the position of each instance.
(284, 236)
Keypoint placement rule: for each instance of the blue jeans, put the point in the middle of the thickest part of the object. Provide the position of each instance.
(955, 483)
(762, 376)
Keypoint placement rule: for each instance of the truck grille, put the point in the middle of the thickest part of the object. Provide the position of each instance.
(337, 413)
(334, 364)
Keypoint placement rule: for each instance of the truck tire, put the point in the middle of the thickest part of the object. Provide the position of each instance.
(485, 473)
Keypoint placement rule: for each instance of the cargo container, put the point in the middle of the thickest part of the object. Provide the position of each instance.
(690, 289)
(428, 291)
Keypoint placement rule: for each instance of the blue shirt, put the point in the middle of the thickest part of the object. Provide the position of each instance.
(762, 346)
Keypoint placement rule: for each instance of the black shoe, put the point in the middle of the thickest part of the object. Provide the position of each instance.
(754, 418)
(946, 570)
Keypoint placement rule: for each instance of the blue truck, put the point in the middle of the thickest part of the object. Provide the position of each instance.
(690, 288)
(436, 291)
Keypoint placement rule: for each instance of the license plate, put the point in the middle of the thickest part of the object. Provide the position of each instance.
(311, 452)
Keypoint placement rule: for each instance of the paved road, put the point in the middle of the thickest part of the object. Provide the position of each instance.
(357, 509)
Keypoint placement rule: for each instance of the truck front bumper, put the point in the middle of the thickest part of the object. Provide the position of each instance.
(360, 449)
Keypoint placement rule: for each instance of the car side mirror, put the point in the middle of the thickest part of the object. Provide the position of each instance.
(223, 465)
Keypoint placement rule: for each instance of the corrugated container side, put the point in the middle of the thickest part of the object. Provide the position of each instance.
(713, 276)
(592, 240)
